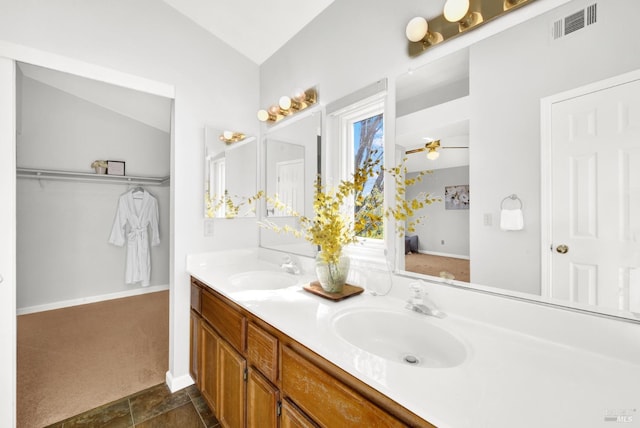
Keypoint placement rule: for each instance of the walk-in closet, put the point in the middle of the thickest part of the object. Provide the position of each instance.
(93, 242)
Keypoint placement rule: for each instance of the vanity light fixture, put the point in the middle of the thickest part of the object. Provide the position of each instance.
(432, 149)
(458, 11)
(286, 106)
(418, 31)
(231, 137)
(458, 16)
(508, 4)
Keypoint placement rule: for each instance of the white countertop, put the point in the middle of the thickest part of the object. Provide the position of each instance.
(507, 380)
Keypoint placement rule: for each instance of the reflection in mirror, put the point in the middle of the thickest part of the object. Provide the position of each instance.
(292, 159)
(285, 177)
(230, 175)
(433, 130)
(489, 97)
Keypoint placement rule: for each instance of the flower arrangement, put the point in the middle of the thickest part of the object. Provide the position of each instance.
(332, 229)
(214, 202)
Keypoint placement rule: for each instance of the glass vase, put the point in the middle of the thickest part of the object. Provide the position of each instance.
(332, 276)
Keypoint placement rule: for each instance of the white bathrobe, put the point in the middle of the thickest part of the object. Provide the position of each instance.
(137, 214)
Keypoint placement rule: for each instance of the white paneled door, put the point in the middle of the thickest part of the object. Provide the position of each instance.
(290, 185)
(595, 198)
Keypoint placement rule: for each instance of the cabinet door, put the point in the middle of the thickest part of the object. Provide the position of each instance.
(208, 358)
(194, 346)
(294, 418)
(231, 387)
(262, 401)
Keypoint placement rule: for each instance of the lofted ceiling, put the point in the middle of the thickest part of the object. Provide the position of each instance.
(255, 28)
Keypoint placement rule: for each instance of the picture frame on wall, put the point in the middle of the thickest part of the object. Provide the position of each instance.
(456, 197)
(115, 167)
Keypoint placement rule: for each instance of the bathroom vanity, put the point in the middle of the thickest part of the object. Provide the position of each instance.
(252, 373)
(267, 353)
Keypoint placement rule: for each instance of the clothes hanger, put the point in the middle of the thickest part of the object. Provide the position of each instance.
(136, 190)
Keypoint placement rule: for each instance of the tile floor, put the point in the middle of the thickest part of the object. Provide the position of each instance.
(155, 407)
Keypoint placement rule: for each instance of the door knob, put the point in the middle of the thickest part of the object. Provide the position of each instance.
(562, 249)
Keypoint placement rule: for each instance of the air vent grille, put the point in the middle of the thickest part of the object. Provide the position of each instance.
(574, 22)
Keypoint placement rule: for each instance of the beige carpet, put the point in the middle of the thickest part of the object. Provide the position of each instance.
(74, 359)
(433, 265)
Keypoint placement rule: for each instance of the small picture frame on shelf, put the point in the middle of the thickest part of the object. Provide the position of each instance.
(115, 167)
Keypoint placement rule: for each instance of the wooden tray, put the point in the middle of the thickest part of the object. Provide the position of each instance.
(348, 291)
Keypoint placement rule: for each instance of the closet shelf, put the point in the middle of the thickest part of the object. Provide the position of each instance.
(89, 177)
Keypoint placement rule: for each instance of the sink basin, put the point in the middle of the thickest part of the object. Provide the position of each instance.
(262, 280)
(405, 338)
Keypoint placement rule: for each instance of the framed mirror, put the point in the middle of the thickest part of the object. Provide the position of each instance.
(500, 103)
(230, 175)
(292, 163)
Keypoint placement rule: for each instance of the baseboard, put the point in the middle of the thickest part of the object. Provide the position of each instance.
(178, 383)
(91, 299)
(434, 253)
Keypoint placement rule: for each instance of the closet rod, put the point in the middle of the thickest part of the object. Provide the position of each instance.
(90, 177)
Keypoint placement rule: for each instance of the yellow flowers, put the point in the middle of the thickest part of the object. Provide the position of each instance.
(332, 228)
(213, 203)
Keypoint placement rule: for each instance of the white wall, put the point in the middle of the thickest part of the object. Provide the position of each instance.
(514, 70)
(63, 226)
(440, 224)
(213, 84)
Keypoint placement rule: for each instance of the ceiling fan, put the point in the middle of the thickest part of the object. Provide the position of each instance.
(432, 149)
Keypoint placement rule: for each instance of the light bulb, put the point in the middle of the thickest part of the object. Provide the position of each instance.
(274, 110)
(263, 115)
(455, 10)
(433, 154)
(284, 102)
(417, 29)
(227, 135)
(299, 95)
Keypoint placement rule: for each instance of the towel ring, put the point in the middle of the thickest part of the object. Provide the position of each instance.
(513, 197)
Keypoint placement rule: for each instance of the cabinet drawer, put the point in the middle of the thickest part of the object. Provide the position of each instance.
(325, 399)
(262, 351)
(229, 323)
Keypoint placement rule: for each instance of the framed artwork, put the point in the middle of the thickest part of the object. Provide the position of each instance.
(115, 167)
(456, 197)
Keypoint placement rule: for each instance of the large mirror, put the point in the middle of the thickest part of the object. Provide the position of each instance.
(292, 160)
(230, 174)
(522, 212)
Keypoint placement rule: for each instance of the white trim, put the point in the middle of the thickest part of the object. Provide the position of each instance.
(435, 253)
(8, 333)
(177, 383)
(546, 105)
(80, 68)
(92, 299)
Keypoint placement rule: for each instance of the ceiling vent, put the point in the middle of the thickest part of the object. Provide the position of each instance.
(576, 21)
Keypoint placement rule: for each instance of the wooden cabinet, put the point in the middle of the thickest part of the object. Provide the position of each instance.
(208, 365)
(294, 418)
(232, 372)
(263, 401)
(253, 375)
(328, 401)
(194, 333)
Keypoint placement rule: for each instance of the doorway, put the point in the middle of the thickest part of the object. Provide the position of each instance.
(590, 245)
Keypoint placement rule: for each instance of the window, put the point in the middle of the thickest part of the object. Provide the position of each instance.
(367, 140)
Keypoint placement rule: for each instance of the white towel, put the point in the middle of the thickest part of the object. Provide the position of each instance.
(511, 219)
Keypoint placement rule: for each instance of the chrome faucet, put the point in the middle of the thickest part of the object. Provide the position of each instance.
(421, 303)
(290, 266)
